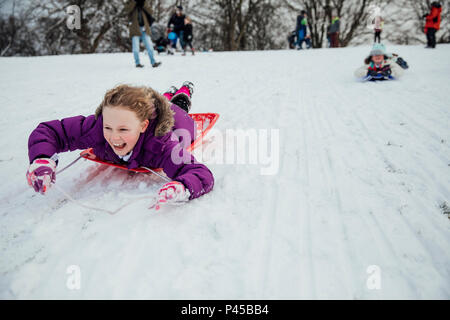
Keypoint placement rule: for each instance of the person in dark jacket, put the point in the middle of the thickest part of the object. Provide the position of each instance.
(335, 28)
(301, 29)
(433, 23)
(177, 22)
(188, 36)
(139, 13)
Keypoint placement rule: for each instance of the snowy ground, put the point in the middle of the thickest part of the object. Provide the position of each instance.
(363, 169)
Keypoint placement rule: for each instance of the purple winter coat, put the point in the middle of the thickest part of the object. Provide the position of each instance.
(81, 132)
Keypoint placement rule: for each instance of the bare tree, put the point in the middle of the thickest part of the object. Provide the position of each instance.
(100, 19)
(12, 24)
(16, 36)
(237, 24)
(353, 14)
(39, 27)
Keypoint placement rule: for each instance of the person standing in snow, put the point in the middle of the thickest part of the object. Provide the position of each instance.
(176, 24)
(378, 23)
(133, 126)
(188, 35)
(301, 30)
(433, 23)
(335, 28)
(378, 65)
(139, 14)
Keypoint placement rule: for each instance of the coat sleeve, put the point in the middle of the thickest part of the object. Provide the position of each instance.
(298, 24)
(196, 177)
(171, 21)
(361, 72)
(59, 136)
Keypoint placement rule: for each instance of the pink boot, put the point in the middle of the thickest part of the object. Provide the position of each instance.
(182, 97)
(187, 88)
(170, 92)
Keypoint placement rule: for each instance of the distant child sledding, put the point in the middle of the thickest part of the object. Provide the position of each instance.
(380, 65)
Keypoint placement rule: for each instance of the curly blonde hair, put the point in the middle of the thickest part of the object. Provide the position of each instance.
(144, 101)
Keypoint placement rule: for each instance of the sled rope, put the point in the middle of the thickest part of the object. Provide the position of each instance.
(159, 175)
(111, 212)
(69, 165)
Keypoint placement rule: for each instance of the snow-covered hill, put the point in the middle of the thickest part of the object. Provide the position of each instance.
(363, 170)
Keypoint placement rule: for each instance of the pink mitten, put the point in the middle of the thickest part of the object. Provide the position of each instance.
(172, 192)
(41, 174)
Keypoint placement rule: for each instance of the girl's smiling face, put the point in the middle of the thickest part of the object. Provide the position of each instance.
(122, 128)
(378, 59)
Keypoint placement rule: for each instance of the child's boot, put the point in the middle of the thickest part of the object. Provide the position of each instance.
(182, 97)
(170, 92)
(402, 63)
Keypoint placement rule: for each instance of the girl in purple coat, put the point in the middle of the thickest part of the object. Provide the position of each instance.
(134, 126)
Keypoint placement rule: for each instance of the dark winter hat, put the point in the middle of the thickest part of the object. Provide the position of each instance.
(303, 12)
(180, 8)
(436, 4)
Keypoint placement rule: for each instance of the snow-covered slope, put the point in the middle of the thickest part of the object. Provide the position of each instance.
(363, 169)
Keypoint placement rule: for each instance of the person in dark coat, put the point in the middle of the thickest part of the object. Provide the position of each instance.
(335, 28)
(139, 14)
(188, 35)
(301, 29)
(433, 23)
(176, 24)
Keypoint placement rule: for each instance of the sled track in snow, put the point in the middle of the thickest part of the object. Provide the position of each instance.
(426, 249)
(367, 215)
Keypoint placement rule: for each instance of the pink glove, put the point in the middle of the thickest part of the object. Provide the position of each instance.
(41, 174)
(172, 192)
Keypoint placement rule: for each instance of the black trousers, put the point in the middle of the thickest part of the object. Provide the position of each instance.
(188, 43)
(377, 36)
(431, 37)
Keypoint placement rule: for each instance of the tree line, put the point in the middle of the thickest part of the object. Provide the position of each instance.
(38, 27)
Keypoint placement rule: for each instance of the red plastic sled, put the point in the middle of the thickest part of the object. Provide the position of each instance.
(203, 121)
